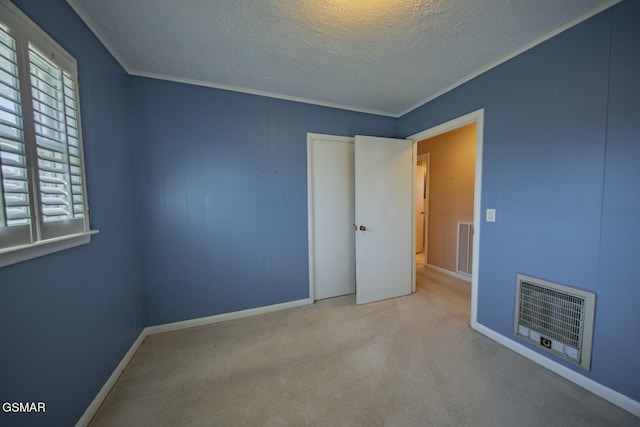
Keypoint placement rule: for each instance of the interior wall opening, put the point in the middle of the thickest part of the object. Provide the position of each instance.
(473, 123)
(445, 183)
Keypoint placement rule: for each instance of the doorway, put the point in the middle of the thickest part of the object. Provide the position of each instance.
(474, 117)
(451, 183)
(422, 208)
(375, 173)
(477, 118)
(331, 211)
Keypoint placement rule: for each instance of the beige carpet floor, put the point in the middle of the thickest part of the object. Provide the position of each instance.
(410, 361)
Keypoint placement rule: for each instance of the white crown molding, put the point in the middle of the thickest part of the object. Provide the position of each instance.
(95, 29)
(104, 40)
(258, 92)
(515, 53)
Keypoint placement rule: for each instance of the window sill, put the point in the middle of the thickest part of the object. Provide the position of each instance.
(18, 254)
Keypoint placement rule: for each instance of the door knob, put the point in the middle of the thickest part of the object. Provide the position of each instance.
(363, 228)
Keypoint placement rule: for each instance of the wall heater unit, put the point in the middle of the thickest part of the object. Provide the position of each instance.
(464, 258)
(556, 318)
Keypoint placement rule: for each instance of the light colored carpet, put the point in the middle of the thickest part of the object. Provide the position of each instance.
(410, 361)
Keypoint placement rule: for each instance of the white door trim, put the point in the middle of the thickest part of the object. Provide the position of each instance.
(476, 117)
(425, 238)
(311, 137)
(414, 167)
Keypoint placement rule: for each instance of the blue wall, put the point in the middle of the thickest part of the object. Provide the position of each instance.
(561, 162)
(67, 319)
(217, 221)
(618, 330)
(221, 180)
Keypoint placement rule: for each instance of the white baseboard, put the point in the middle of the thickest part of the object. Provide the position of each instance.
(618, 399)
(450, 273)
(106, 388)
(596, 388)
(168, 327)
(150, 330)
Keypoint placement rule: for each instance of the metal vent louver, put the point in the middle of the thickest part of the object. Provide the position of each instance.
(556, 318)
(464, 256)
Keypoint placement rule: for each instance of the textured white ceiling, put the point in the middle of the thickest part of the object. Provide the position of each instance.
(385, 56)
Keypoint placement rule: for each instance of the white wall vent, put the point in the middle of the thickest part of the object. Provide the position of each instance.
(556, 318)
(464, 257)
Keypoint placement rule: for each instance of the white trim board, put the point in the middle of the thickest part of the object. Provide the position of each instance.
(414, 221)
(202, 321)
(425, 250)
(594, 387)
(94, 28)
(95, 404)
(598, 389)
(16, 254)
(311, 137)
(515, 53)
(476, 117)
(258, 92)
(449, 272)
(97, 401)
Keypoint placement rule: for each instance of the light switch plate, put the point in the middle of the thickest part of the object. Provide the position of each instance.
(491, 215)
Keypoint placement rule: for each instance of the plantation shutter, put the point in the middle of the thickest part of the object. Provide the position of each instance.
(57, 136)
(15, 209)
(43, 196)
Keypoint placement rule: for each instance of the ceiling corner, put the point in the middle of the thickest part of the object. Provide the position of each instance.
(95, 29)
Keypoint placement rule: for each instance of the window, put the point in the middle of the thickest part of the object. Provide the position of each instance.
(43, 198)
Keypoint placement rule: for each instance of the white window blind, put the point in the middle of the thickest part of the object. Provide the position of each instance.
(15, 215)
(42, 185)
(53, 93)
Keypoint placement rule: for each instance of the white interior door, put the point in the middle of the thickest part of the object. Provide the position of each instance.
(383, 202)
(331, 216)
(421, 170)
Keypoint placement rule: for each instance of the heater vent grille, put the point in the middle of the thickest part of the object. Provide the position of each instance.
(555, 317)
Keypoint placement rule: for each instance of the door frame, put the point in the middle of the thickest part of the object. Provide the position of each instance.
(476, 117)
(311, 137)
(425, 237)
